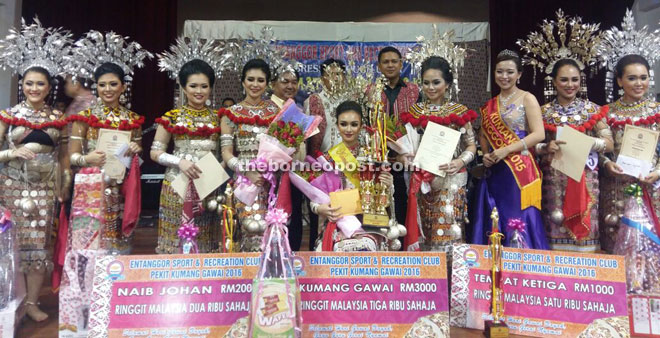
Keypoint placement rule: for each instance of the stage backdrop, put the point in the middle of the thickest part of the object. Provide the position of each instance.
(312, 42)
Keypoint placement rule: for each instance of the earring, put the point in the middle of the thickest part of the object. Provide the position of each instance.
(122, 99)
(208, 102)
(518, 82)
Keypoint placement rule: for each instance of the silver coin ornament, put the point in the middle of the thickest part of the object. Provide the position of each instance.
(456, 230)
(402, 230)
(262, 226)
(220, 199)
(395, 245)
(106, 179)
(212, 205)
(557, 217)
(393, 233)
(28, 205)
(384, 230)
(611, 219)
(252, 226)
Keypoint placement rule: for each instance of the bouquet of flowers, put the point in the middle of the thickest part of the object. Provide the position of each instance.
(403, 139)
(287, 133)
(272, 154)
(292, 122)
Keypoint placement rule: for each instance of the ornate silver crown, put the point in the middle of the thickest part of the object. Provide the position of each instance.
(617, 43)
(577, 41)
(186, 49)
(438, 45)
(95, 48)
(236, 54)
(35, 46)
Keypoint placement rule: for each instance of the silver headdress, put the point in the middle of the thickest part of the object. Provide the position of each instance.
(236, 54)
(618, 43)
(35, 46)
(543, 50)
(95, 49)
(187, 49)
(437, 45)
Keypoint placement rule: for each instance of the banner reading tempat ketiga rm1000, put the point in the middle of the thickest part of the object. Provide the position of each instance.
(545, 293)
(368, 294)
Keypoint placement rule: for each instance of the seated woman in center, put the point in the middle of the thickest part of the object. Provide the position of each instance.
(349, 124)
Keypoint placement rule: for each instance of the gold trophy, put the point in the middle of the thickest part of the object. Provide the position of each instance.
(496, 328)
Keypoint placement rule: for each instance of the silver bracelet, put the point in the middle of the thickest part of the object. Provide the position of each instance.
(605, 132)
(540, 147)
(78, 160)
(226, 143)
(234, 164)
(158, 146)
(314, 207)
(466, 157)
(168, 160)
(525, 150)
(599, 145)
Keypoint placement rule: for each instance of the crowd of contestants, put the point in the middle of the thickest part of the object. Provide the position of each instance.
(515, 135)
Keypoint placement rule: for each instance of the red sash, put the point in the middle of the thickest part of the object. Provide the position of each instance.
(523, 168)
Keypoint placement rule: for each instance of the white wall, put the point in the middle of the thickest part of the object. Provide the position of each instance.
(647, 12)
(10, 15)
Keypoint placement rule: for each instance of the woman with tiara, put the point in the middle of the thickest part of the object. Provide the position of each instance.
(443, 210)
(570, 207)
(195, 129)
(110, 61)
(240, 125)
(631, 204)
(36, 173)
(511, 126)
(332, 237)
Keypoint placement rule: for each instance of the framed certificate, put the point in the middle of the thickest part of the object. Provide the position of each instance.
(437, 147)
(110, 141)
(637, 150)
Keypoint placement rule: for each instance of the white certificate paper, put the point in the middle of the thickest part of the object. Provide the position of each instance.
(436, 148)
(637, 150)
(213, 175)
(572, 156)
(109, 141)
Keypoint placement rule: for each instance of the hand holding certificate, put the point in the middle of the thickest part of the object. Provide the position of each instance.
(637, 150)
(572, 156)
(110, 141)
(437, 147)
(213, 175)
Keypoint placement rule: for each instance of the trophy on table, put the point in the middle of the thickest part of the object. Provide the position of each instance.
(496, 328)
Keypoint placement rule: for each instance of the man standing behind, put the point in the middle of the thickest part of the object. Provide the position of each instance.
(397, 97)
(285, 86)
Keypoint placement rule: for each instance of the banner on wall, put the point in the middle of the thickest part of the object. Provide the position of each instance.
(546, 293)
(372, 294)
(311, 43)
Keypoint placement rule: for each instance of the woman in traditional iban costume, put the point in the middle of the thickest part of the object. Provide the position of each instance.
(631, 205)
(570, 207)
(511, 125)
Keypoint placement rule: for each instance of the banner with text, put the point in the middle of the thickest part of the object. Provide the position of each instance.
(546, 293)
(369, 294)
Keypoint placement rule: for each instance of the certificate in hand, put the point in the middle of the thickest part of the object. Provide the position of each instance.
(637, 150)
(110, 141)
(213, 175)
(437, 147)
(572, 156)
